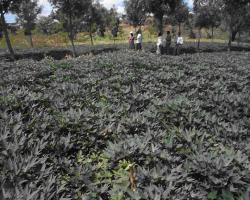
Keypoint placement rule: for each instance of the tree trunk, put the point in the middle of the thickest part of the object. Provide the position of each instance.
(239, 39)
(179, 27)
(71, 36)
(199, 39)
(6, 35)
(229, 44)
(30, 40)
(230, 39)
(234, 33)
(212, 34)
(73, 45)
(159, 22)
(91, 36)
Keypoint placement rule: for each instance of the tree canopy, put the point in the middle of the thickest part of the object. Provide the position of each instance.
(235, 14)
(93, 18)
(136, 12)
(27, 14)
(137, 9)
(159, 8)
(70, 13)
(181, 14)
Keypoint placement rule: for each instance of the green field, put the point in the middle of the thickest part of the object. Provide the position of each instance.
(126, 125)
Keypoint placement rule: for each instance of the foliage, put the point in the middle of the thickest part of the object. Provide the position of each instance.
(235, 15)
(190, 23)
(93, 20)
(102, 22)
(114, 22)
(207, 15)
(116, 127)
(27, 14)
(159, 8)
(136, 12)
(70, 13)
(181, 14)
(48, 25)
(9, 5)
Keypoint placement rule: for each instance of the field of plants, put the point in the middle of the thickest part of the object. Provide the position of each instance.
(126, 125)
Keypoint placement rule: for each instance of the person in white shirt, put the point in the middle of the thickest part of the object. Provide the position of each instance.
(139, 40)
(179, 43)
(159, 43)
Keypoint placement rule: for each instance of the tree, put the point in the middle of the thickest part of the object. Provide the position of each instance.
(112, 18)
(70, 12)
(181, 14)
(1, 31)
(113, 22)
(159, 8)
(102, 22)
(115, 28)
(190, 23)
(200, 19)
(93, 19)
(156, 7)
(245, 28)
(235, 16)
(5, 7)
(27, 14)
(207, 14)
(136, 12)
(48, 25)
(214, 18)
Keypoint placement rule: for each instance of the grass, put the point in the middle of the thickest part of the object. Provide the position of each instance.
(40, 40)
(19, 40)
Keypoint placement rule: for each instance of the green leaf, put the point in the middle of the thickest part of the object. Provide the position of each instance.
(212, 195)
(227, 196)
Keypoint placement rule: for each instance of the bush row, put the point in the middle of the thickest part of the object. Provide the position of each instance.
(59, 53)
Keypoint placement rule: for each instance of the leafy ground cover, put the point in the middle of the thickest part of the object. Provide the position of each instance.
(126, 125)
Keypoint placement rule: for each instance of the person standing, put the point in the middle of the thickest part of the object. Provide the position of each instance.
(159, 43)
(179, 43)
(168, 42)
(131, 41)
(139, 41)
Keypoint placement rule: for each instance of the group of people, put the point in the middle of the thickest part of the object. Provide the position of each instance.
(163, 44)
(131, 41)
